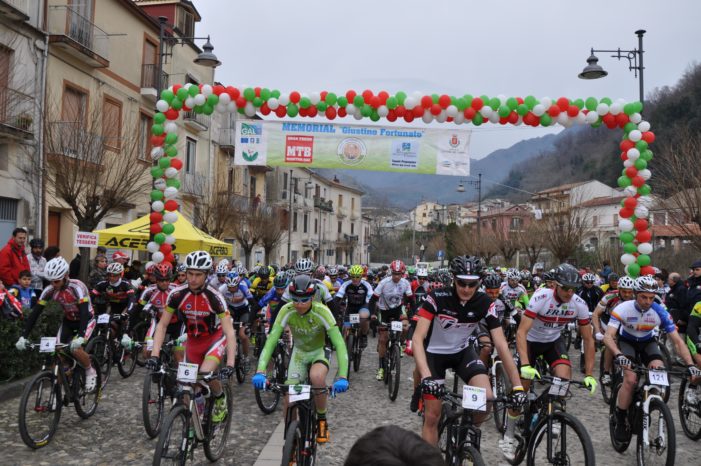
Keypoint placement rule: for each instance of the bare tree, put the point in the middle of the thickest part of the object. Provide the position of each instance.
(506, 242)
(530, 241)
(272, 229)
(564, 227)
(213, 213)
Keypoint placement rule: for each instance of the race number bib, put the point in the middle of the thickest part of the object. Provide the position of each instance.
(149, 345)
(658, 378)
(187, 373)
(354, 318)
(396, 326)
(559, 387)
(299, 392)
(47, 345)
(103, 319)
(474, 398)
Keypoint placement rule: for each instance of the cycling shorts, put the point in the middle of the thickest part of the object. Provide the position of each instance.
(241, 314)
(553, 352)
(388, 315)
(301, 362)
(213, 347)
(70, 328)
(640, 351)
(465, 364)
(363, 312)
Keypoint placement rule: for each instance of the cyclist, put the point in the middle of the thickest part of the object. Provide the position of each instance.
(356, 292)
(447, 320)
(602, 314)
(513, 292)
(78, 322)
(180, 276)
(208, 325)
(262, 283)
(549, 280)
(420, 287)
(492, 284)
(335, 280)
(273, 297)
(305, 266)
(219, 278)
(634, 322)
(120, 295)
(241, 304)
(611, 283)
(310, 323)
(389, 297)
(589, 292)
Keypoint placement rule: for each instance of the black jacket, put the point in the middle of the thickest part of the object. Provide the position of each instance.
(693, 296)
(591, 296)
(676, 300)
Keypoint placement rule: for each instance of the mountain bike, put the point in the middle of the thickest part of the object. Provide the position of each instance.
(241, 367)
(690, 409)
(276, 373)
(352, 331)
(60, 382)
(546, 434)
(189, 422)
(157, 387)
(101, 346)
(392, 361)
(259, 334)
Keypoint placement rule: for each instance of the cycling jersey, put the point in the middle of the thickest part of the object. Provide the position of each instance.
(591, 296)
(321, 295)
(357, 296)
(214, 281)
(453, 323)
(420, 291)
(157, 299)
(608, 302)
(26, 298)
(259, 289)
(236, 299)
(551, 315)
(693, 330)
(201, 310)
(634, 324)
(390, 295)
(74, 300)
(120, 295)
(512, 295)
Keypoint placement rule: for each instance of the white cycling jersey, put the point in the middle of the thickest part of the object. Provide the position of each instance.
(391, 294)
(634, 324)
(551, 315)
(511, 295)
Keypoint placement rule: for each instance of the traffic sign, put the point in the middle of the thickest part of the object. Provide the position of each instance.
(440, 253)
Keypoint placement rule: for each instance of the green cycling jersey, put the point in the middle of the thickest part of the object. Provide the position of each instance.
(308, 332)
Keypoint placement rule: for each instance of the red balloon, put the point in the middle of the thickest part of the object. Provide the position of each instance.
(624, 156)
(513, 118)
(176, 88)
(477, 103)
(281, 111)
(622, 119)
(519, 100)
(166, 248)
(304, 112)
(627, 144)
(374, 101)
(218, 89)
(323, 95)
(312, 111)
(444, 101)
(383, 95)
(503, 120)
(401, 111)
(331, 113)
(572, 111)
(350, 95)
(264, 109)
(436, 109)
(294, 97)
(156, 228)
(631, 172)
(233, 92)
(408, 117)
(647, 270)
(426, 101)
(367, 95)
(638, 181)
(449, 119)
(158, 140)
(342, 112)
(554, 111)
(257, 91)
(470, 113)
(176, 163)
(172, 114)
(169, 258)
(630, 202)
(563, 103)
(156, 217)
(609, 120)
(649, 137)
(241, 102)
(418, 111)
(640, 224)
(625, 212)
(643, 236)
(186, 108)
(392, 115)
(171, 205)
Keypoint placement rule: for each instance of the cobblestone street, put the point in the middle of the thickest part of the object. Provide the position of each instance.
(115, 435)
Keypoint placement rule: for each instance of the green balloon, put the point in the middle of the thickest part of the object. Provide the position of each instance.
(391, 103)
(461, 103)
(173, 183)
(207, 109)
(640, 164)
(628, 109)
(167, 95)
(193, 90)
(258, 101)
(212, 99)
(546, 120)
(157, 130)
(495, 103)
(626, 237)
(512, 103)
(342, 101)
(168, 228)
(477, 119)
(331, 98)
(606, 101)
(164, 162)
(159, 238)
(468, 100)
(401, 97)
(198, 109)
(182, 93)
(504, 111)
(644, 190)
(629, 127)
(634, 270)
(579, 103)
(646, 155)
(358, 101)
(265, 93)
(249, 93)
(591, 103)
(374, 116)
(366, 110)
(522, 109)
(641, 145)
(321, 106)
(629, 248)
(638, 107)
(241, 110)
(275, 93)
(171, 138)
(597, 123)
(171, 150)
(434, 98)
(292, 110)
(157, 172)
(304, 102)
(177, 104)
(159, 118)
(643, 260)
(530, 102)
(156, 195)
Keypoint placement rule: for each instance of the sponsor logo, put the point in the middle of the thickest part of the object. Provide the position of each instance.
(447, 322)
(249, 154)
(251, 129)
(351, 151)
(454, 141)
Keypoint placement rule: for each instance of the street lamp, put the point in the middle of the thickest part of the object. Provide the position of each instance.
(291, 193)
(477, 184)
(635, 62)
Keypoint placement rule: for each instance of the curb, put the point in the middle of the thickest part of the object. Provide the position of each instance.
(13, 389)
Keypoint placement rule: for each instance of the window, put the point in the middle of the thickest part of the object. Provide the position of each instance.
(316, 225)
(252, 187)
(352, 228)
(516, 223)
(306, 222)
(74, 106)
(149, 64)
(340, 200)
(5, 67)
(285, 185)
(294, 221)
(144, 136)
(659, 218)
(340, 227)
(615, 220)
(317, 191)
(190, 156)
(494, 224)
(423, 215)
(352, 204)
(230, 180)
(595, 220)
(186, 23)
(112, 123)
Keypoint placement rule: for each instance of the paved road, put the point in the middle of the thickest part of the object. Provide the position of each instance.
(115, 435)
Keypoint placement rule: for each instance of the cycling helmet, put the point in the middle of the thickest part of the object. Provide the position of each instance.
(56, 269)
(525, 275)
(115, 268)
(162, 271)
(589, 277)
(466, 267)
(549, 275)
(492, 281)
(411, 270)
(290, 274)
(304, 265)
(181, 268)
(274, 268)
(149, 267)
(567, 275)
(224, 261)
(332, 271)
(355, 271)
(445, 278)
(281, 281)
(342, 270)
(119, 255)
(36, 243)
(302, 286)
(263, 272)
(233, 281)
(222, 268)
(397, 266)
(613, 277)
(241, 270)
(513, 275)
(646, 283)
(536, 281)
(320, 272)
(422, 272)
(626, 282)
(198, 260)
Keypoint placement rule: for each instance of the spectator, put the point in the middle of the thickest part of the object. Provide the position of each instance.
(392, 446)
(13, 258)
(605, 271)
(676, 299)
(74, 267)
(24, 292)
(51, 252)
(98, 272)
(37, 262)
(101, 250)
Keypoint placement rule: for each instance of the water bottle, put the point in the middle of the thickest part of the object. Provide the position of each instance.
(199, 402)
(534, 421)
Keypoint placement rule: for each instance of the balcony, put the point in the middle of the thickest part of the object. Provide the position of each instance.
(14, 9)
(149, 81)
(72, 139)
(78, 36)
(341, 212)
(227, 136)
(194, 184)
(196, 121)
(323, 204)
(16, 110)
(354, 215)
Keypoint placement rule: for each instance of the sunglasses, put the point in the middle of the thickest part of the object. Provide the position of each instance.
(356, 276)
(301, 300)
(466, 283)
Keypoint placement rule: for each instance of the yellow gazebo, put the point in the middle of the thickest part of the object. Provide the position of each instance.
(188, 238)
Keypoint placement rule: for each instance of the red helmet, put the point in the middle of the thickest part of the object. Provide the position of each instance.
(119, 255)
(397, 266)
(163, 271)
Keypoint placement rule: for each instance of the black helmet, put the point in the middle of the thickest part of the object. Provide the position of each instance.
(613, 277)
(492, 281)
(466, 267)
(302, 286)
(263, 272)
(36, 243)
(281, 280)
(567, 275)
(549, 275)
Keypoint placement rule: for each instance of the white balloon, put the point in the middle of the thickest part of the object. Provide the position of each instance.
(625, 225)
(152, 247)
(156, 153)
(647, 201)
(645, 174)
(427, 117)
(538, 109)
(250, 109)
(441, 117)
(502, 99)
(170, 192)
(220, 107)
(273, 103)
(546, 102)
(486, 111)
(591, 118)
(563, 119)
(350, 109)
(190, 102)
(644, 126)
(284, 99)
(315, 98)
(602, 109)
(200, 99)
(171, 172)
(633, 154)
(357, 115)
(645, 248)
(615, 109)
(157, 206)
(641, 211)
(160, 184)
(187, 85)
(494, 117)
(231, 107)
(630, 191)
(628, 163)
(207, 89)
(170, 217)
(162, 106)
(224, 98)
(157, 257)
(635, 135)
(627, 259)
(636, 118)
(452, 111)
(459, 118)
(170, 239)
(581, 118)
(382, 111)
(170, 127)
(410, 103)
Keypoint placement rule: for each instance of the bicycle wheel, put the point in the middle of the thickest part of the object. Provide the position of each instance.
(571, 446)
(40, 410)
(357, 354)
(662, 446)
(102, 352)
(260, 343)
(690, 410)
(138, 333)
(350, 341)
(152, 403)
(268, 399)
(502, 387)
(620, 447)
(126, 362)
(217, 433)
(470, 456)
(394, 370)
(567, 338)
(605, 388)
(84, 401)
(294, 444)
(175, 438)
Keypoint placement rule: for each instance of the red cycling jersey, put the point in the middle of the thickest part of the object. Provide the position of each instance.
(157, 298)
(201, 311)
(70, 297)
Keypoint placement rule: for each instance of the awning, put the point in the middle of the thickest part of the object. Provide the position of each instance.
(188, 238)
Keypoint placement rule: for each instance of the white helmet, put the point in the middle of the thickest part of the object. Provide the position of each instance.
(222, 268)
(589, 277)
(198, 260)
(513, 275)
(115, 268)
(304, 265)
(646, 283)
(626, 282)
(56, 269)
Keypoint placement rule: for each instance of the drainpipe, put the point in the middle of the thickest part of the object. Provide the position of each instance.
(39, 210)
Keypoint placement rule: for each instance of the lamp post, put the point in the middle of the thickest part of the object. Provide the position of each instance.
(635, 63)
(291, 193)
(477, 184)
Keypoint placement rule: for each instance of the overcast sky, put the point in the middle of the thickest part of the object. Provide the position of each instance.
(513, 47)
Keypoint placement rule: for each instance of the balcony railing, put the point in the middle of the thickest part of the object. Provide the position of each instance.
(227, 136)
(323, 204)
(149, 73)
(16, 111)
(72, 139)
(86, 37)
(198, 121)
(341, 212)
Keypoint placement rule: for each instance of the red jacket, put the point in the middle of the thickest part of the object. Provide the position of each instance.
(12, 261)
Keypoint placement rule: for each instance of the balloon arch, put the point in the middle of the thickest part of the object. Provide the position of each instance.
(477, 110)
